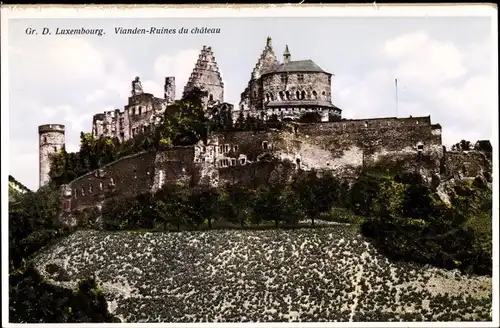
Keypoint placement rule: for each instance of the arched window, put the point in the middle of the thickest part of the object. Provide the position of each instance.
(303, 95)
(272, 96)
(324, 95)
(282, 95)
(297, 95)
(315, 95)
(211, 97)
(140, 110)
(267, 97)
(287, 95)
(44, 139)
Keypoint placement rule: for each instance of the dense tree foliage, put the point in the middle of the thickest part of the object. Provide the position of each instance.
(33, 224)
(401, 215)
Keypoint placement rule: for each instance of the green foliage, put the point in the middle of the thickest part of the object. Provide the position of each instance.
(407, 221)
(33, 225)
(32, 300)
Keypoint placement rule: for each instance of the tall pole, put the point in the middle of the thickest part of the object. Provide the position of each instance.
(397, 100)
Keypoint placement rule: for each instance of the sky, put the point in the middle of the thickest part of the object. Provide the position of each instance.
(443, 66)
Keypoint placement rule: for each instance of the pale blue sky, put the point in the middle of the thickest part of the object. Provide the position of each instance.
(443, 66)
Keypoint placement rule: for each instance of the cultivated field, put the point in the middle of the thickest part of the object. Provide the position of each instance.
(320, 274)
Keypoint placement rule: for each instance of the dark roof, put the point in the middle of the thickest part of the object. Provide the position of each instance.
(297, 66)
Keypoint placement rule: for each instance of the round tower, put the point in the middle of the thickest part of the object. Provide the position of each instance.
(51, 141)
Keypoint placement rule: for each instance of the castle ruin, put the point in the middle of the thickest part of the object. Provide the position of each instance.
(283, 91)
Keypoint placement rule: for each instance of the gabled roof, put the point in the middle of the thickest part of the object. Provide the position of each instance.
(297, 66)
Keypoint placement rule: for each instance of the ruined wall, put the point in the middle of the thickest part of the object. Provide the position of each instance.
(387, 141)
(140, 114)
(206, 76)
(142, 172)
(262, 157)
(341, 147)
(51, 141)
(174, 165)
(466, 164)
(129, 175)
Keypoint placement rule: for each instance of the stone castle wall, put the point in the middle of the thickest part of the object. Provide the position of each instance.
(262, 157)
(142, 172)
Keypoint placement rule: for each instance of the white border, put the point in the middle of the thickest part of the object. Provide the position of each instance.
(220, 11)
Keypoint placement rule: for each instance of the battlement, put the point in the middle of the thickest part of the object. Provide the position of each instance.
(51, 128)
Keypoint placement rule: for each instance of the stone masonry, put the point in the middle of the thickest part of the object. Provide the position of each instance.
(281, 90)
(51, 141)
(287, 90)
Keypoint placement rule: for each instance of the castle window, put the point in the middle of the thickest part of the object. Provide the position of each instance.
(287, 93)
(133, 132)
(300, 78)
(420, 147)
(272, 96)
(255, 94)
(233, 161)
(100, 185)
(235, 148)
(211, 97)
(297, 95)
(220, 149)
(44, 139)
(282, 95)
(303, 94)
(243, 161)
(140, 110)
(324, 95)
(226, 148)
(83, 191)
(265, 145)
(283, 78)
(267, 97)
(112, 181)
(315, 94)
(55, 148)
(91, 190)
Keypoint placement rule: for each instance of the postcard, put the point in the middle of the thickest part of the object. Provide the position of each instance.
(315, 165)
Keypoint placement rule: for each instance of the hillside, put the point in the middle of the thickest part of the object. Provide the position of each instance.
(322, 274)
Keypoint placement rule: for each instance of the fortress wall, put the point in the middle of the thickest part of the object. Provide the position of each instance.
(129, 175)
(174, 165)
(257, 173)
(249, 144)
(465, 164)
(366, 142)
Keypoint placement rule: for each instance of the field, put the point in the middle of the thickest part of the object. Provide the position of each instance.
(309, 274)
